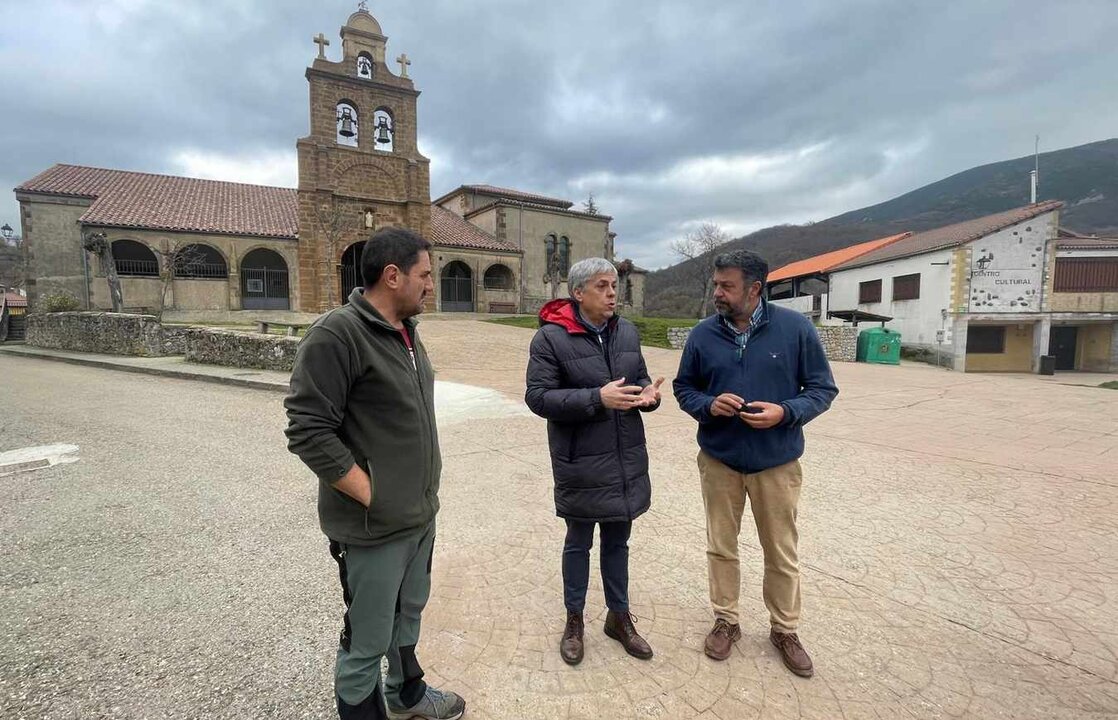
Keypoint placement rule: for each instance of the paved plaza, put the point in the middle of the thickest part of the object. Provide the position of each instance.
(958, 542)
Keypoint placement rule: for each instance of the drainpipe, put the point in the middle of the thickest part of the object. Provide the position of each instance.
(520, 244)
(85, 273)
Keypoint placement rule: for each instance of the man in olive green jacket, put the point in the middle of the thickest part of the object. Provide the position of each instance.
(362, 416)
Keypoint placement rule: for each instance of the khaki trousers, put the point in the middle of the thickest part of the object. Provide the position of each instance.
(773, 495)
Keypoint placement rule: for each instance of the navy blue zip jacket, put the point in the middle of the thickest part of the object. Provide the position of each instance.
(783, 362)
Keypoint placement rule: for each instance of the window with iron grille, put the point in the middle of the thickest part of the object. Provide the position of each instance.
(134, 259)
(1086, 275)
(869, 291)
(986, 339)
(906, 287)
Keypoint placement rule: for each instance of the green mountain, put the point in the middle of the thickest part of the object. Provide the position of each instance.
(1084, 177)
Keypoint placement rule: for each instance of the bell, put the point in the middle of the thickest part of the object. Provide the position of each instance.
(347, 125)
(364, 67)
(384, 132)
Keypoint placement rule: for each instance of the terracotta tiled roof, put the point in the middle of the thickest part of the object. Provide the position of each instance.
(15, 300)
(952, 235)
(537, 206)
(509, 194)
(1083, 242)
(450, 230)
(826, 261)
(164, 202)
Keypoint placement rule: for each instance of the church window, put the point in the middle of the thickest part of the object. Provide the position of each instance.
(549, 253)
(384, 130)
(347, 124)
(564, 256)
(365, 66)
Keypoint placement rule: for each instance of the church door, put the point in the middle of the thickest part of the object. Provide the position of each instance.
(457, 286)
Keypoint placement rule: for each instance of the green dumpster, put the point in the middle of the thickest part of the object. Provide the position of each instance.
(879, 345)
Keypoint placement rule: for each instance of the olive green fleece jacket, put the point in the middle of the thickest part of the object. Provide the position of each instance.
(357, 396)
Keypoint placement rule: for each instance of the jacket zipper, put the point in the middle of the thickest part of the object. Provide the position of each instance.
(617, 431)
(427, 416)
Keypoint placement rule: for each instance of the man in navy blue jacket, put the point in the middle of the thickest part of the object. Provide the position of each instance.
(753, 375)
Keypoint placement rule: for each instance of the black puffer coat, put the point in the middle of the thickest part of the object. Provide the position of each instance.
(598, 456)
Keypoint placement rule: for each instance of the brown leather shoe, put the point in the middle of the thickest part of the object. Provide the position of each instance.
(721, 639)
(619, 626)
(570, 647)
(792, 653)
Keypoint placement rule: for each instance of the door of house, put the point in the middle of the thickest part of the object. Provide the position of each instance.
(1061, 343)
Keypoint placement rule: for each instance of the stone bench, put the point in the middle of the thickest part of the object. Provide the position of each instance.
(293, 329)
(502, 307)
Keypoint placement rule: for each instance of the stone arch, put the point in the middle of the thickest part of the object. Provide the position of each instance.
(134, 258)
(201, 261)
(499, 276)
(265, 279)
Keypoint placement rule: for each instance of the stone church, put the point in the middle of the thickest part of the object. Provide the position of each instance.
(211, 247)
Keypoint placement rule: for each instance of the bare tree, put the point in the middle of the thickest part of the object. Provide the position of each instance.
(13, 265)
(696, 252)
(331, 218)
(99, 245)
(177, 260)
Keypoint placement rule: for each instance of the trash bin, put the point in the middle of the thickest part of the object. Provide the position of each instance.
(879, 345)
(1047, 365)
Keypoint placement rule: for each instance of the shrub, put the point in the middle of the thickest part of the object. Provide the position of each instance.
(60, 302)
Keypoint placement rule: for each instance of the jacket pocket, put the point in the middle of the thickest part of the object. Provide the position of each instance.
(572, 443)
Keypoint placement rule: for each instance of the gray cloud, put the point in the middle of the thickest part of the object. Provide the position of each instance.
(749, 114)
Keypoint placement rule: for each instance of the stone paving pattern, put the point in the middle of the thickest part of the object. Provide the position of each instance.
(958, 547)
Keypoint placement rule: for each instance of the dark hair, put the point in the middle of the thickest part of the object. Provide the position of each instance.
(753, 267)
(390, 246)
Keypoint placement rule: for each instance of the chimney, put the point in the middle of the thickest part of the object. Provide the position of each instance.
(1032, 187)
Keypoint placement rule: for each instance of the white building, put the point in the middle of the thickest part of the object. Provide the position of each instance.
(992, 294)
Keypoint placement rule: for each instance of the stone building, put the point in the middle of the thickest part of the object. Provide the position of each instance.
(248, 247)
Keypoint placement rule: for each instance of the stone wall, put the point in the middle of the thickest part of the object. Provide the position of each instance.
(143, 335)
(677, 337)
(240, 349)
(96, 332)
(839, 342)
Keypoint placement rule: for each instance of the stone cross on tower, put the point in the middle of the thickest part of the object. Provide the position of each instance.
(322, 42)
(404, 62)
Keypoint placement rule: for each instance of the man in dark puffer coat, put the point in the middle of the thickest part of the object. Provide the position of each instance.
(586, 375)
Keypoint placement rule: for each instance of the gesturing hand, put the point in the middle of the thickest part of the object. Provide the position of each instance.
(617, 396)
(726, 405)
(651, 394)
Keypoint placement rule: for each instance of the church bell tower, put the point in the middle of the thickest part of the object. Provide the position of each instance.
(359, 168)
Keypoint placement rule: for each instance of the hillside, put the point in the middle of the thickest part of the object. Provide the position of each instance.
(1085, 177)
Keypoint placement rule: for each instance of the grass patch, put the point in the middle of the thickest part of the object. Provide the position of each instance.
(1110, 385)
(653, 330)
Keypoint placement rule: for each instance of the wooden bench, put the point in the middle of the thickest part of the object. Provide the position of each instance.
(293, 329)
(502, 307)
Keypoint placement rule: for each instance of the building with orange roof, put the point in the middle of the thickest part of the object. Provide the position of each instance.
(1006, 292)
(802, 285)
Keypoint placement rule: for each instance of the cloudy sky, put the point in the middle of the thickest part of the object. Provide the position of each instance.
(743, 113)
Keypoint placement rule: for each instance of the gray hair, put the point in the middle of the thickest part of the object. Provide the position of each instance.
(583, 270)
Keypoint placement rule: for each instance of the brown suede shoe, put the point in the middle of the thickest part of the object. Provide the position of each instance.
(570, 647)
(619, 626)
(792, 653)
(721, 639)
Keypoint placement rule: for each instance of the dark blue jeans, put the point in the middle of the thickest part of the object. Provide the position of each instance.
(614, 561)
